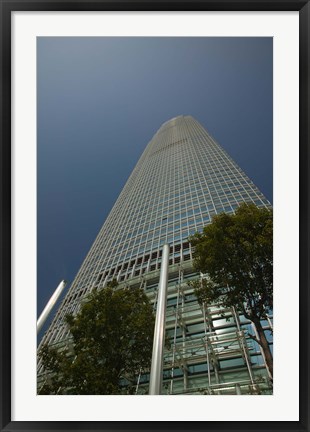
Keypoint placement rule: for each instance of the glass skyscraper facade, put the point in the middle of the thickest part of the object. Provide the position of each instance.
(182, 179)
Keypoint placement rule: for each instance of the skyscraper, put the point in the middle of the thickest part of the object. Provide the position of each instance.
(182, 179)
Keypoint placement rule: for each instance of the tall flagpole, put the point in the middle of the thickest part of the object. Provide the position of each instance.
(156, 375)
(50, 304)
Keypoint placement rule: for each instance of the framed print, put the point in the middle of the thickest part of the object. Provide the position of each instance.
(161, 120)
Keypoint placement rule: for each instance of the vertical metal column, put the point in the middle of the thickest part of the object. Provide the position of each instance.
(238, 389)
(243, 346)
(138, 381)
(156, 374)
(242, 343)
(206, 343)
(105, 281)
(50, 305)
(175, 337)
(185, 375)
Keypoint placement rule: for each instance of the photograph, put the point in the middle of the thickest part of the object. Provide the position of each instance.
(155, 216)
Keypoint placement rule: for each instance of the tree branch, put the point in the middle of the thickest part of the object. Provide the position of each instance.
(247, 316)
(254, 338)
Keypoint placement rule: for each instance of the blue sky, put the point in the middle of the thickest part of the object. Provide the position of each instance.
(100, 101)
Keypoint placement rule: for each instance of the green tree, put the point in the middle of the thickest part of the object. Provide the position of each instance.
(236, 253)
(111, 339)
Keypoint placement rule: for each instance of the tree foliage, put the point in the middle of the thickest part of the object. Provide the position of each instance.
(112, 337)
(236, 253)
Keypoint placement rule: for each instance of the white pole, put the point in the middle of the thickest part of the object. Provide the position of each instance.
(238, 389)
(156, 374)
(50, 304)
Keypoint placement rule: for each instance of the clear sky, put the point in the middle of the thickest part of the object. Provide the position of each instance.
(100, 101)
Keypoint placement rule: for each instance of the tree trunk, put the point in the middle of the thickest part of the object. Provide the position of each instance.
(265, 345)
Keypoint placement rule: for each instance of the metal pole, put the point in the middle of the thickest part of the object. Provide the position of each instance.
(206, 343)
(238, 389)
(175, 338)
(156, 374)
(242, 342)
(50, 305)
(185, 377)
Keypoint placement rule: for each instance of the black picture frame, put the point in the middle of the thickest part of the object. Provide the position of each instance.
(9, 6)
